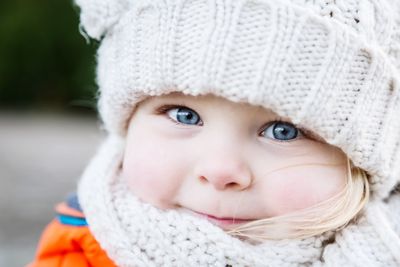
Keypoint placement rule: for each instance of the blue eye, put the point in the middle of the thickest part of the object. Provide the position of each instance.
(184, 115)
(281, 131)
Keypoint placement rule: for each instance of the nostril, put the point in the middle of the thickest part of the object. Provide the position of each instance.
(231, 185)
(203, 179)
(222, 184)
(235, 186)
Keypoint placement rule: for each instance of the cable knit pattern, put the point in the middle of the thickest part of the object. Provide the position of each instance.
(136, 234)
(329, 65)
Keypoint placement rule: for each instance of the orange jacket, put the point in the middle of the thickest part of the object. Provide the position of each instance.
(67, 241)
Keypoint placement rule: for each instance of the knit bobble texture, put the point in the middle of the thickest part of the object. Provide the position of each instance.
(98, 16)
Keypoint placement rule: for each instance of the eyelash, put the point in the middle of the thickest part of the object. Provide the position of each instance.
(304, 132)
(165, 108)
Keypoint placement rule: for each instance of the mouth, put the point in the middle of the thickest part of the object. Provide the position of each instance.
(223, 221)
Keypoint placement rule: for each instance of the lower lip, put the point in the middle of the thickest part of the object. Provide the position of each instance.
(223, 221)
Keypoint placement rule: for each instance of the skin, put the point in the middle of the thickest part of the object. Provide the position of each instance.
(228, 168)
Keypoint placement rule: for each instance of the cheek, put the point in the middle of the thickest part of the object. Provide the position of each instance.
(151, 173)
(303, 187)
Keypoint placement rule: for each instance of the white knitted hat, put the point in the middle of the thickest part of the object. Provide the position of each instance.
(332, 65)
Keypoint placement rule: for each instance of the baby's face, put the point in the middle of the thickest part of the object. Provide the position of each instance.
(224, 161)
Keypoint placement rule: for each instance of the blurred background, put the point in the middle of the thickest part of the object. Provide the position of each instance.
(48, 122)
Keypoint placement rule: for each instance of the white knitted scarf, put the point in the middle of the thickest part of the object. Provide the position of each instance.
(137, 234)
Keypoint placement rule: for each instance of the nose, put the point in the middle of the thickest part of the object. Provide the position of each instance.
(225, 173)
